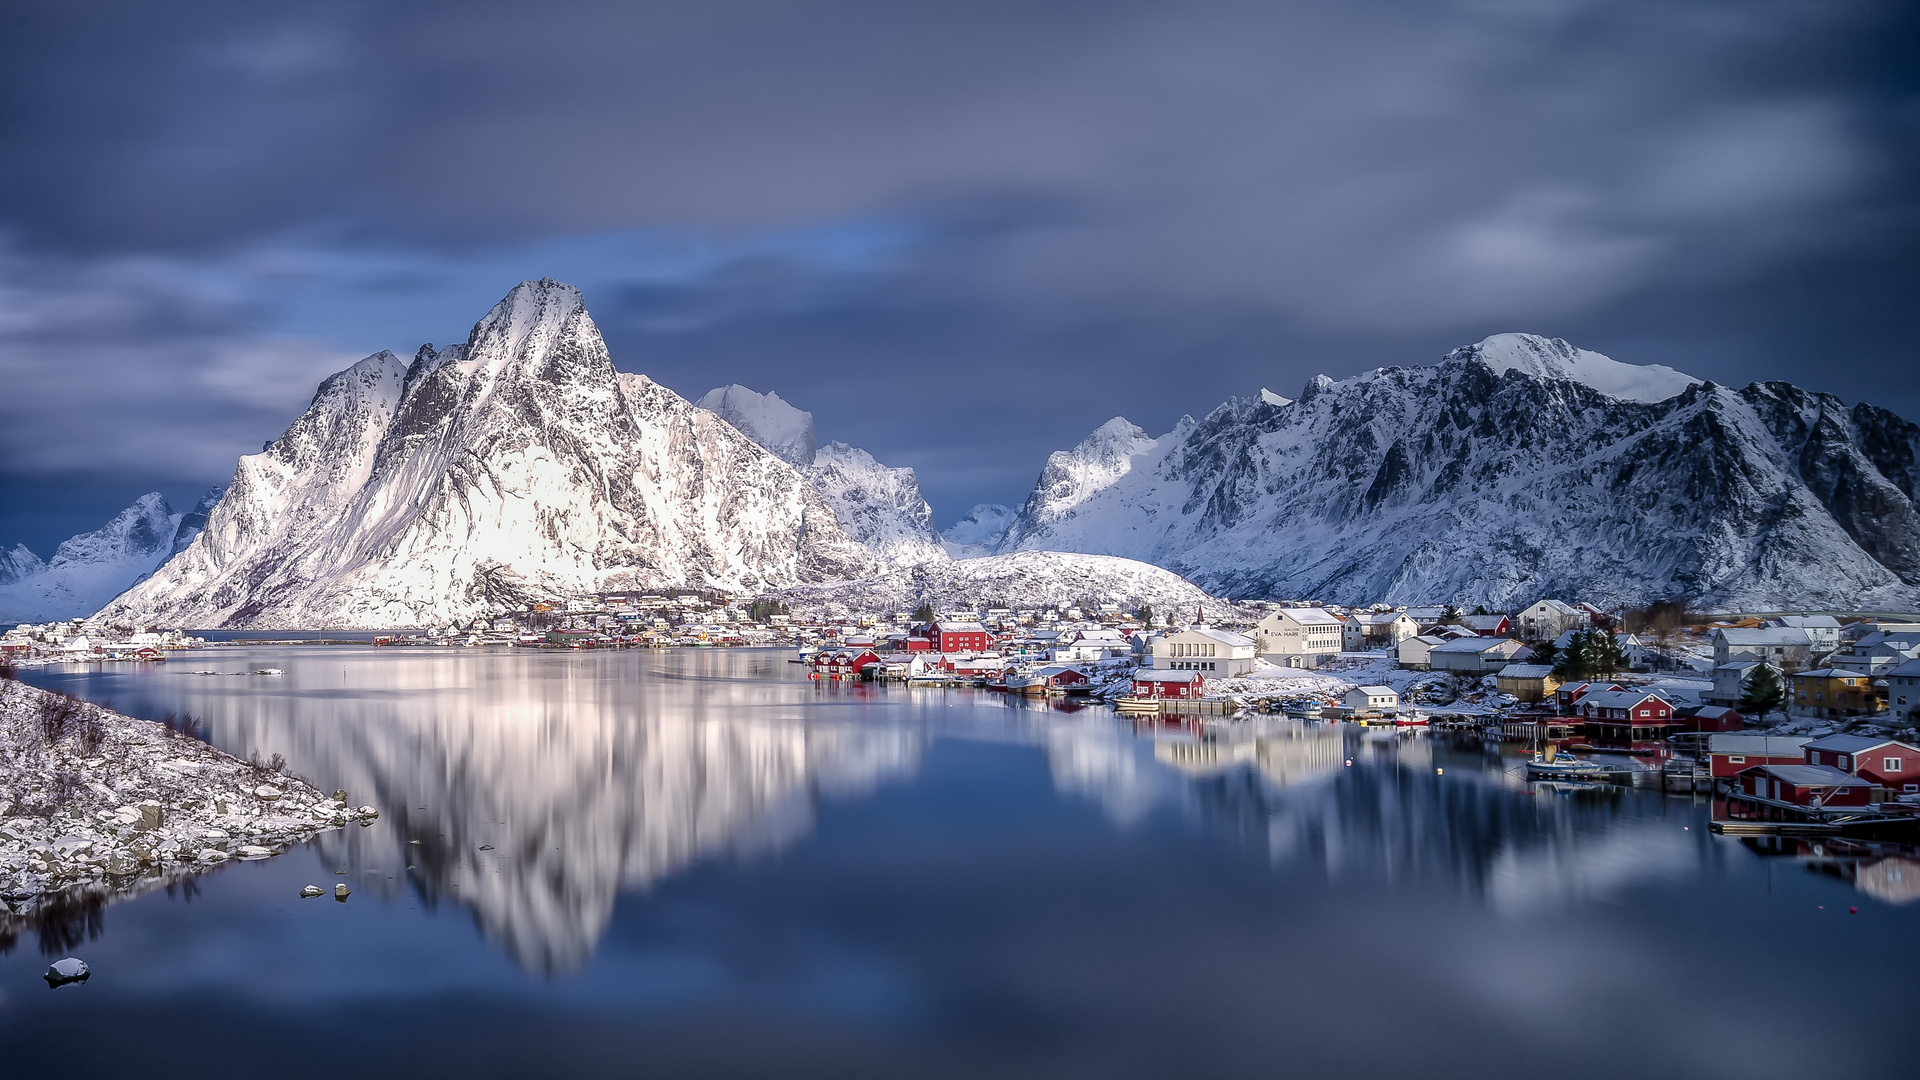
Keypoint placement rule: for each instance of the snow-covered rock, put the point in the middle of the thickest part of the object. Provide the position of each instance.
(1071, 477)
(70, 969)
(1502, 475)
(979, 533)
(92, 568)
(766, 419)
(878, 506)
(115, 806)
(517, 467)
(1552, 358)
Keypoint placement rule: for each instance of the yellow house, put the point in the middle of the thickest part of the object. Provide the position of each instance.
(1531, 683)
(1832, 692)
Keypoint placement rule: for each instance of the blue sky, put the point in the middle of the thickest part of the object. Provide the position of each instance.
(962, 235)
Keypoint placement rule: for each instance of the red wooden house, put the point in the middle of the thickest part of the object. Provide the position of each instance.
(1731, 755)
(1805, 786)
(1568, 696)
(957, 637)
(1886, 762)
(844, 663)
(1631, 715)
(1167, 684)
(1709, 718)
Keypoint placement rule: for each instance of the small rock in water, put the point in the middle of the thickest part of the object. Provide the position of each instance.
(312, 891)
(340, 892)
(71, 970)
(254, 851)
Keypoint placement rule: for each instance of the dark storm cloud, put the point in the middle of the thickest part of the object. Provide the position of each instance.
(962, 234)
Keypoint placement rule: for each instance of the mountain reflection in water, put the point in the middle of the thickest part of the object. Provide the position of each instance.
(532, 787)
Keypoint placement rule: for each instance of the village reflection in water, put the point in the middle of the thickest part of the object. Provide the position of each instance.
(533, 788)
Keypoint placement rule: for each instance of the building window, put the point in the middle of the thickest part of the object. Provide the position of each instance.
(1736, 759)
(1892, 764)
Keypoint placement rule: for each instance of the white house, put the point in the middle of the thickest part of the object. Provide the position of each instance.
(1298, 637)
(1785, 647)
(1476, 654)
(1730, 682)
(1376, 629)
(1822, 630)
(1371, 699)
(1548, 619)
(1414, 652)
(1093, 645)
(1219, 653)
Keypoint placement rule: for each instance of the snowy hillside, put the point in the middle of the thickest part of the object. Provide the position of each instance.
(518, 466)
(1023, 578)
(1515, 469)
(92, 568)
(878, 506)
(979, 533)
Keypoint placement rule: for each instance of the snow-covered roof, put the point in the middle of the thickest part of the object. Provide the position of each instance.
(1851, 744)
(1307, 616)
(1765, 635)
(1166, 676)
(1473, 644)
(1526, 671)
(1758, 745)
(1224, 637)
(1618, 699)
(1375, 691)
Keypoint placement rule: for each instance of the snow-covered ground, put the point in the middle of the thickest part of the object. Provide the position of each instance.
(1339, 676)
(100, 803)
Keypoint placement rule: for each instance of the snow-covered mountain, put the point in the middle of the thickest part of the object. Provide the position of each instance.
(765, 418)
(518, 466)
(878, 506)
(979, 533)
(92, 568)
(1516, 468)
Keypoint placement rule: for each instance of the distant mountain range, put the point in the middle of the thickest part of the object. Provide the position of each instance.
(521, 466)
(92, 568)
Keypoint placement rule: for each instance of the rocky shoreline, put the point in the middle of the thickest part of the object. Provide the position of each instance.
(95, 804)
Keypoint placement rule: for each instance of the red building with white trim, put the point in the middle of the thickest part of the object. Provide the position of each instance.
(1888, 763)
(959, 637)
(1805, 786)
(1167, 684)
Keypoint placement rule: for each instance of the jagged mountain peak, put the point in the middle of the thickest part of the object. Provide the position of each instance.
(979, 532)
(766, 419)
(519, 466)
(1553, 358)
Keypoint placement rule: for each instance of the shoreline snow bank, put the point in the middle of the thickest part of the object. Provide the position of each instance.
(94, 802)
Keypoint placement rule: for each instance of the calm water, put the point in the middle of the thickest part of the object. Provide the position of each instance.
(697, 863)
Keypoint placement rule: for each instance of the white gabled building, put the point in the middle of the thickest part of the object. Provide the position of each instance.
(1376, 629)
(1371, 699)
(1298, 637)
(1548, 619)
(1788, 648)
(1219, 653)
(1416, 652)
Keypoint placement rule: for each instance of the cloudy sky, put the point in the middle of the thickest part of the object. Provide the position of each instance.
(962, 234)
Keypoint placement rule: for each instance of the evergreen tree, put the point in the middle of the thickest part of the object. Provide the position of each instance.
(1765, 692)
(1145, 615)
(1545, 653)
(923, 613)
(1481, 609)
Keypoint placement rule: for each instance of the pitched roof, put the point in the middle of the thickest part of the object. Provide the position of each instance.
(1851, 744)
(1526, 671)
(1763, 745)
(1308, 616)
(1473, 644)
(1768, 635)
(1166, 676)
(1375, 691)
(1812, 775)
(1619, 699)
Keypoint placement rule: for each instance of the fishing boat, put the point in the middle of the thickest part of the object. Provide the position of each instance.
(1550, 764)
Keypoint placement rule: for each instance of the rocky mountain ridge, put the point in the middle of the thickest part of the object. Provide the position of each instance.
(1516, 468)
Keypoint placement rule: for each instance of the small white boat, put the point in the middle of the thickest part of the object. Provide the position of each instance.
(1550, 764)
